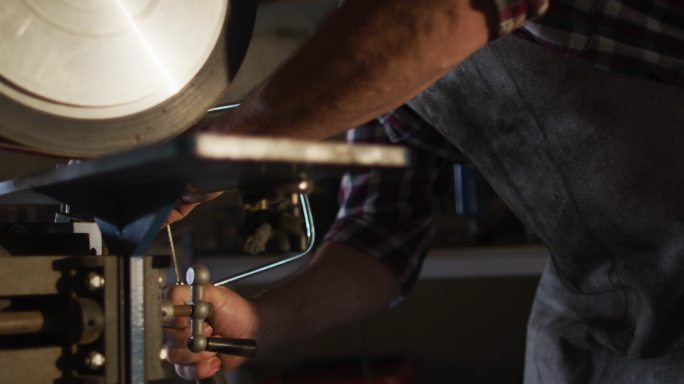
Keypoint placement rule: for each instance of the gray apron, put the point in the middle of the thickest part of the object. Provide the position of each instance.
(593, 162)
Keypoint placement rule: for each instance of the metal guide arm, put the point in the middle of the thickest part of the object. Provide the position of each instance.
(311, 239)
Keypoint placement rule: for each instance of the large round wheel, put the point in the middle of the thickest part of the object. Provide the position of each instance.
(86, 78)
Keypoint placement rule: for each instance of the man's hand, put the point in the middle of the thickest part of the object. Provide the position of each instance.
(187, 203)
(233, 317)
(341, 285)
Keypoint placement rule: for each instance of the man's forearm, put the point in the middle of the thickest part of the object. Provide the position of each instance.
(368, 58)
(341, 285)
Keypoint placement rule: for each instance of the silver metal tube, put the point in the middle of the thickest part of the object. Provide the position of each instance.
(223, 107)
(136, 322)
(308, 223)
(21, 323)
(311, 237)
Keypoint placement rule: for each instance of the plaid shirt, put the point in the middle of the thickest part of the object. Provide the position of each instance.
(390, 214)
(637, 37)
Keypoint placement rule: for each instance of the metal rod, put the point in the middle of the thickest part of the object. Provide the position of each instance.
(223, 107)
(176, 269)
(182, 310)
(21, 323)
(136, 319)
(310, 235)
(235, 347)
(170, 311)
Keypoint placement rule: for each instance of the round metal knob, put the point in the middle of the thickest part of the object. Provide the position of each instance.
(198, 274)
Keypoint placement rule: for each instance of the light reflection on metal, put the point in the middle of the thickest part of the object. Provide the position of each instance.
(103, 59)
(311, 240)
(23, 27)
(136, 319)
(223, 108)
(226, 147)
(171, 84)
(82, 78)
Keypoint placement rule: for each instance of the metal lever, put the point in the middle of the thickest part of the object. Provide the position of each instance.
(311, 241)
(198, 278)
(237, 347)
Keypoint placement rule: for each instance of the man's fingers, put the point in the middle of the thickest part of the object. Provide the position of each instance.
(179, 212)
(178, 294)
(200, 370)
(228, 317)
(184, 356)
(177, 349)
(196, 198)
(178, 337)
(187, 203)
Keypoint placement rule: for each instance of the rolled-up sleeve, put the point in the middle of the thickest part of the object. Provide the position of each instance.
(512, 14)
(390, 213)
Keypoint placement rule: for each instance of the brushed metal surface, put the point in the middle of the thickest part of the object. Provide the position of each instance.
(83, 78)
(29, 275)
(136, 322)
(14, 363)
(103, 59)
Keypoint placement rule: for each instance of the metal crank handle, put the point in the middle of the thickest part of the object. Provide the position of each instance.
(311, 241)
(198, 277)
(235, 347)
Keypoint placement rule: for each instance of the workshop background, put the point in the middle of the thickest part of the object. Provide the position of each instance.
(464, 323)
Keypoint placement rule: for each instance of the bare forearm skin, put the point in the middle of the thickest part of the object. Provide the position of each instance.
(342, 285)
(368, 58)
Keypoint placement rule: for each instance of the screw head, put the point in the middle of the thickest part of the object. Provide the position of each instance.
(94, 360)
(95, 281)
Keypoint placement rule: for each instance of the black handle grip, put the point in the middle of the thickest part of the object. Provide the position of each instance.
(218, 378)
(236, 347)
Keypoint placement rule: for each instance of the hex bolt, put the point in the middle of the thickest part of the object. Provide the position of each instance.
(94, 360)
(95, 281)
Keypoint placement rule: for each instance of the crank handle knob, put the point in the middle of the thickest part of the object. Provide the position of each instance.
(235, 347)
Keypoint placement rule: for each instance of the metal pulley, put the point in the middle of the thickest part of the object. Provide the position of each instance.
(86, 78)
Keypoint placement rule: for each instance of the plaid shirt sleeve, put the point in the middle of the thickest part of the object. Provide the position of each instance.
(390, 213)
(512, 14)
